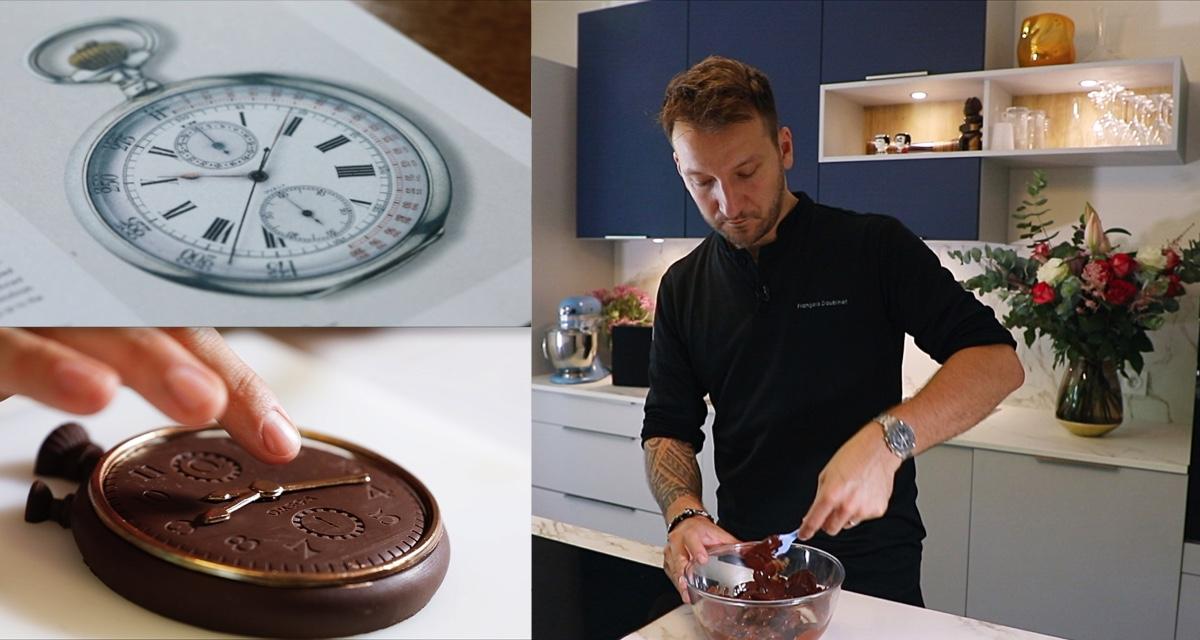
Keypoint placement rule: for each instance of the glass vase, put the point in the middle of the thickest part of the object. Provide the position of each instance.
(1089, 398)
(1046, 38)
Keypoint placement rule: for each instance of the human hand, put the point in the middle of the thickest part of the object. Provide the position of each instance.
(854, 486)
(687, 544)
(191, 375)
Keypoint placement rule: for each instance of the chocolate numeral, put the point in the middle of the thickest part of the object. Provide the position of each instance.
(242, 543)
(146, 472)
(303, 547)
(386, 520)
(179, 527)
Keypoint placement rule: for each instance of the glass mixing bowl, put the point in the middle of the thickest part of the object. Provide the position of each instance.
(723, 617)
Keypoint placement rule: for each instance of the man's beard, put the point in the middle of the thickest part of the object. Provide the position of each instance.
(768, 223)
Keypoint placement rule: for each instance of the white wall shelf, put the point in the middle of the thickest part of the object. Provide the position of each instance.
(847, 109)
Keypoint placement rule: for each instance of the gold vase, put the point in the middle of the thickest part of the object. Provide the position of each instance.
(1046, 38)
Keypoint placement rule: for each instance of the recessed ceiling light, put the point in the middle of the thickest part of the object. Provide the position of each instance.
(1088, 84)
(919, 95)
(657, 240)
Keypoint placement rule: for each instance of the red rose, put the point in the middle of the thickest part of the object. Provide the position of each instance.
(1172, 260)
(1041, 250)
(1120, 292)
(1043, 293)
(1097, 272)
(1174, 286)
(1123, 265)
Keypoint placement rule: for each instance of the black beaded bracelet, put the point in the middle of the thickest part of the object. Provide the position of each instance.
(685, 514)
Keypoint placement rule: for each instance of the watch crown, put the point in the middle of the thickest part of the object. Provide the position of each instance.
(41, 505)
(67, 453)
(94, 56)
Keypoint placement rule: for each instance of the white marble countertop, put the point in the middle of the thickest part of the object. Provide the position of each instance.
(857, 617)
(1135, 445)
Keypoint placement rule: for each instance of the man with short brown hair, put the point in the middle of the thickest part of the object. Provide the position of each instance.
(791, 318)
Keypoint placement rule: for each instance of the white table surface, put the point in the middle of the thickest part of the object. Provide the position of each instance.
(856, 617)
(481, 485)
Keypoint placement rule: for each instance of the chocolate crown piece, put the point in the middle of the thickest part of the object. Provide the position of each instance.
(67, 453)
(41, 505)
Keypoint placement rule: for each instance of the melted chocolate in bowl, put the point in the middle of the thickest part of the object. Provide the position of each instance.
(766, 607)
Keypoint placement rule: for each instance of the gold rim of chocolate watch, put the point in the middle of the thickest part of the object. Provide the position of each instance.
(113, 520)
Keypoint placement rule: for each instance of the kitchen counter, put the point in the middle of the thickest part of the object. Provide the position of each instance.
(857, 617)
(1136, 445)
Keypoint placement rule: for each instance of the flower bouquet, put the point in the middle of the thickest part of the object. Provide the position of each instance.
(1095, 302)
(626, 316)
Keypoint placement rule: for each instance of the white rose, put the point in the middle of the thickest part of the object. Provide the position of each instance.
(1152, 258)
(1053, 271)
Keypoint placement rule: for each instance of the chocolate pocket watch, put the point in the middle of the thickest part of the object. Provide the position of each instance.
(187, 524)
(257, 184)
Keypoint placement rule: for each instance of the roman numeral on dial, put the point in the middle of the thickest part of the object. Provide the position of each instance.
(332, 143)
(178, 211)
(355, 171)
(219, 230)
(291, 128)
(159, 151)
(272, 241)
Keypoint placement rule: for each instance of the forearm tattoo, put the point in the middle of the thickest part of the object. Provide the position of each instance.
(672, 470)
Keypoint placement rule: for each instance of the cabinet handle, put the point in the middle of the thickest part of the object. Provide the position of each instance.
(1077, 463)
(606, 503)
(598, 433)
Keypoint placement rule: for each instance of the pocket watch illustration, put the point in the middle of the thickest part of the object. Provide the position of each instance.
(185, 523)
(255, 183)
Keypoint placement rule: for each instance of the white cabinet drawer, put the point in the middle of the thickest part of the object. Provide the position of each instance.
(1188, 626)
(1074, 550)
(944, 500)
(609, 416)
(594, 464)
(621, 521)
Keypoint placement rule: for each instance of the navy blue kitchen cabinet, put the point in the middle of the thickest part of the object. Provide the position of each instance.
(937, 199)
(627, 183)
(872, 37)
(783, 39)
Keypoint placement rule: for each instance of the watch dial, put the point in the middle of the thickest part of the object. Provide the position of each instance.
(157, 491)
(257, 182)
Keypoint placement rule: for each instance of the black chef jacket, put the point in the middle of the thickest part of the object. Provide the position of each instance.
(797, 353)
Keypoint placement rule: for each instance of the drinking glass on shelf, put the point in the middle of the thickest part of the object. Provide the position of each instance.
(1002, 136)
(1075, 136)
(1019, 118)
(1158, 118)
(1038, 124)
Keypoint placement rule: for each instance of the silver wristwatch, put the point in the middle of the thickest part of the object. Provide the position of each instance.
(898, 435)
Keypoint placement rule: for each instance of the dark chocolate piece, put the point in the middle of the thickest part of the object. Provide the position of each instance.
(41, 505)
(67, 453)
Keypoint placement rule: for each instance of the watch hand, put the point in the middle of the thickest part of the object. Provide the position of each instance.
(197, 175)
(307, 213)
(219, 146)
(269, 490)
(256, 176)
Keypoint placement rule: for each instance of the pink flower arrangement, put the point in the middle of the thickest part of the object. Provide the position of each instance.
(625, 305)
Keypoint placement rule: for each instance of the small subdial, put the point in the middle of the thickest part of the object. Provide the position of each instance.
(306, 213)
(216, 145)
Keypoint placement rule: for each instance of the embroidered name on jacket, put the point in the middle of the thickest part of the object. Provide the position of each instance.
(823, 303)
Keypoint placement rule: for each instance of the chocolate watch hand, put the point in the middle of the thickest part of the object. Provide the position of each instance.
(268, 490)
